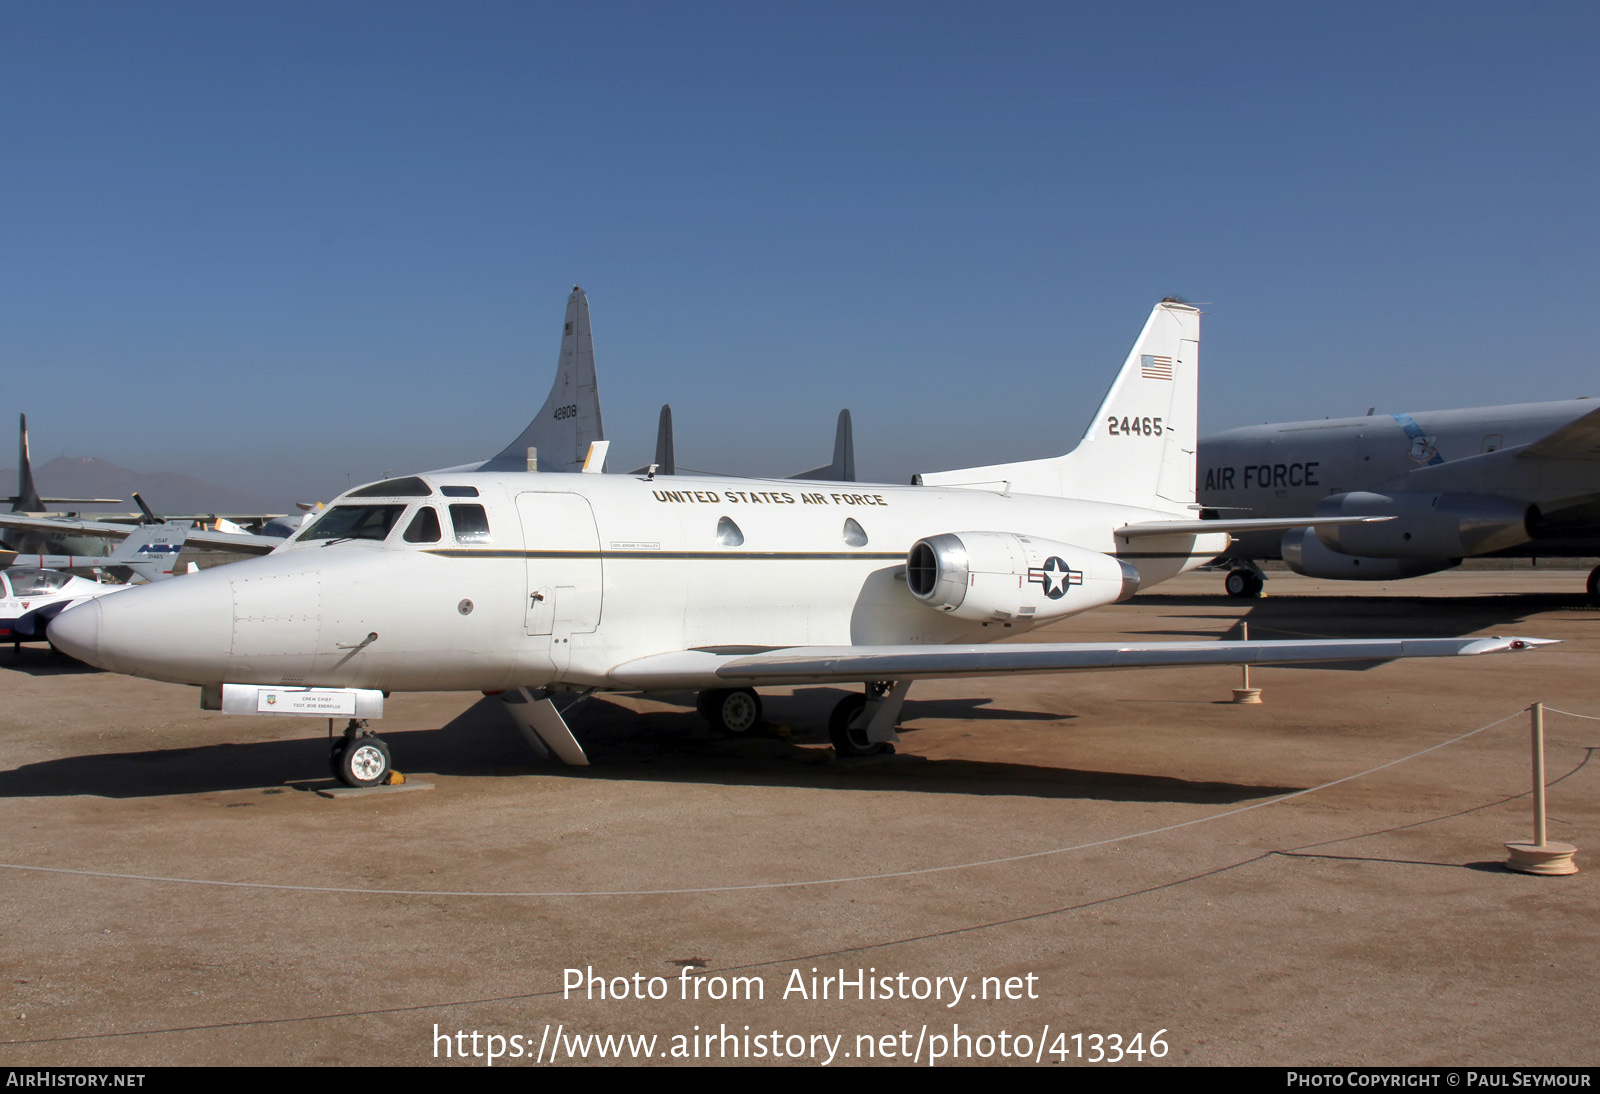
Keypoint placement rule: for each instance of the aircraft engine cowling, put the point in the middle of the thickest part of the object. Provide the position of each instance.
(1306, 554)
(1426, 526)
(1000, 576)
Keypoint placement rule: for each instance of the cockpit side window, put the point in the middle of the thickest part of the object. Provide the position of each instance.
(353, 522)
(470, 523)
(31, 582)
(424, 527)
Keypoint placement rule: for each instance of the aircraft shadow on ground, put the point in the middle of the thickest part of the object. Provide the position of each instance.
(1290, 617)
(622, 746)
(40, 660)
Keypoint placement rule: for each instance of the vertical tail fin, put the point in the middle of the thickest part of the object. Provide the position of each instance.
(150, 550)
(666, 463)
(27, 499)
(666, 459)
(569, 421)
(1139, 447)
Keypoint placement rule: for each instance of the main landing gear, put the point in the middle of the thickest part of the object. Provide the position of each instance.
(359, 758)
(864, 725)
(732, 710)
(1244, 582)
(860, 725)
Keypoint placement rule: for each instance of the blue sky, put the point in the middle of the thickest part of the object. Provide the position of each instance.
(293, 245)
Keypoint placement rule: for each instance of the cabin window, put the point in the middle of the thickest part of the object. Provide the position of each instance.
(353, 522)
(424, 526)
(410, 487)
(854, 534)
(470, 523)
(728, 533)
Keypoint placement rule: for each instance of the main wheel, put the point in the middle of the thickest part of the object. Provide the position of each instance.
(362, 761)
(732, 710)
(1243, 584)
(850, 740)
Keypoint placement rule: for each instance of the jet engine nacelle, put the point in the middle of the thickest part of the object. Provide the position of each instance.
(1305, 553)
(1425, 526)
(1001, 576)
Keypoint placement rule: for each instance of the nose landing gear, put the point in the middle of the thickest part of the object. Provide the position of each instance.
(359, 758)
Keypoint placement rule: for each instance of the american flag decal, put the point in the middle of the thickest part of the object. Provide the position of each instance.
(1155, 368)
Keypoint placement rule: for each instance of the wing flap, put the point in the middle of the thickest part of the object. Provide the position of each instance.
(846, 664)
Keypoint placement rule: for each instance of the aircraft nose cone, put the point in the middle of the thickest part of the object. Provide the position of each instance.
(76, 632)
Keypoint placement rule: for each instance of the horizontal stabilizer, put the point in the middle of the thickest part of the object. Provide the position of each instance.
(1251, 524)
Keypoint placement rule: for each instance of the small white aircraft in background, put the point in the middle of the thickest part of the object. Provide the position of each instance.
(534, 584)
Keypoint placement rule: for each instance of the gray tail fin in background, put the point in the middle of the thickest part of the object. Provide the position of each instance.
(569, 421)
(843, 467)
(666, 459)
(27, 499)
(666, 462)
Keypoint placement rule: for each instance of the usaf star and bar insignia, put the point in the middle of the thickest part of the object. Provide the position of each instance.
(1055, 576)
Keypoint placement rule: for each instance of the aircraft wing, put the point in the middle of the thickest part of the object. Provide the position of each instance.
(849, 664)
(1577, 440)
(1249, 524)
(199, 537)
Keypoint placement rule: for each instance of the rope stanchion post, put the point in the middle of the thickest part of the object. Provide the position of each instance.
(1244, 693)
(1540, 856)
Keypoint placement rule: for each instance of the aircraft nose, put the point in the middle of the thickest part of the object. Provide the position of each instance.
(76, 632)
(179, 630)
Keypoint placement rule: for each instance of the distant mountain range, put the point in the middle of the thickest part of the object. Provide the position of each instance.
(164, 491)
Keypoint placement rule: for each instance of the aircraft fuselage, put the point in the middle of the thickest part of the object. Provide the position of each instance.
(1284, 470)
(561, 579)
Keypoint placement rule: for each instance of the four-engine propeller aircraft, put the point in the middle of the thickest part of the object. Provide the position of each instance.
(1507, 480)
(27, 500)
(534, 584)
(562, 433)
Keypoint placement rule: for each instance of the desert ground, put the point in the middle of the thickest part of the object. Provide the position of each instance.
(1096, 865)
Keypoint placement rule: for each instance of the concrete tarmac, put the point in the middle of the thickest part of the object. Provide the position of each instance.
(1111, 866)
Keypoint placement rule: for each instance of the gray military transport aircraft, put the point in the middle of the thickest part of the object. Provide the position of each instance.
(1521, 480)
(534, 585)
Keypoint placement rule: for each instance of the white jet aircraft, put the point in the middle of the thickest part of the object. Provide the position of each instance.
(532, 584)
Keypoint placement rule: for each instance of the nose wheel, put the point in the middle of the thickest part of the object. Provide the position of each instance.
(359, 758)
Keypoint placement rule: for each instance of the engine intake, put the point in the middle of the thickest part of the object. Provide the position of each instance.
(1001, 576)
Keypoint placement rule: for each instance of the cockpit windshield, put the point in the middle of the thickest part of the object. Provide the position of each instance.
(353, 522)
